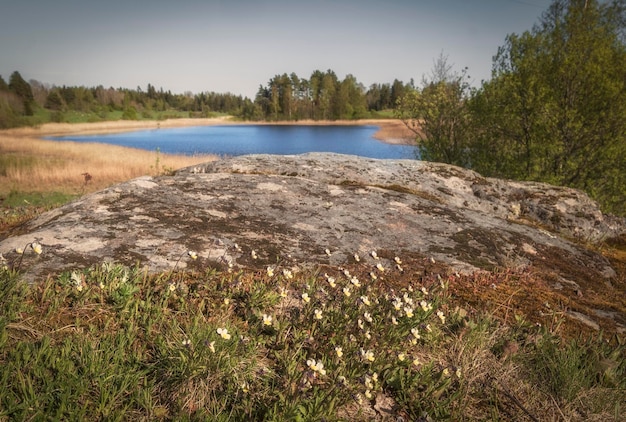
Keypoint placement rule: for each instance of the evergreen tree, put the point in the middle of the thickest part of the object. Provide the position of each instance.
(3, 84)
(54, 101)
(22, 89)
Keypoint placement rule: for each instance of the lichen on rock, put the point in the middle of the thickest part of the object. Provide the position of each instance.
(295, 207)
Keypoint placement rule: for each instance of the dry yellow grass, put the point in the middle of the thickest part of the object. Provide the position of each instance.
(36, 165)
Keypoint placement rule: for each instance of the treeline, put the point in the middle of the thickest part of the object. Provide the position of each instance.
(554, 110)
(21, 100)
(322, 96)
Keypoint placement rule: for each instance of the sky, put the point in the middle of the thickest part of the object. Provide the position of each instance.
(237, 45)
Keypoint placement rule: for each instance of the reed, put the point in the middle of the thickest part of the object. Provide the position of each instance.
(28, 164)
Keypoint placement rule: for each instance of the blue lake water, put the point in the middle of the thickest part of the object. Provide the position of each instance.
(232, 140)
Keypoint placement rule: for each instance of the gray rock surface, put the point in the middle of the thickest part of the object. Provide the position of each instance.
(292, 208)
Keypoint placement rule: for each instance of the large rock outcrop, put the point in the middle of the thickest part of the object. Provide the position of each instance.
(290, 209)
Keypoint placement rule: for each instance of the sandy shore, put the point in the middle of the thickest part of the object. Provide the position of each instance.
(390, 130)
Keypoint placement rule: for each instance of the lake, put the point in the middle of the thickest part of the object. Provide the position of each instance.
(232, 140)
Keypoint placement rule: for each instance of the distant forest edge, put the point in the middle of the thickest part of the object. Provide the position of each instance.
(553, 111)
(286, 97)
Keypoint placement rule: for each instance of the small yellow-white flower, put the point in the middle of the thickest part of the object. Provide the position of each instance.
(394, 320)
(305, 297)
(212, 347)
(186, 342)
(171, 287)
(253, 254)
(380, 267)
(373, 275)
(346, 273)
(367, 355)
(287, 273)
(425, 306)
(365, 300)
(368, 335)
(223, 333)
(327, 251)
(399, 268)
(331, 282)
(424, 291)
(245, 387)
(416, 362)
(446, 372)
(237, 247)
(316, 366)
(317, 314)
(458, 372)
(226, 301)
(36, 248)
(346, 291)
(283, 292)
(355, 282)
(368, 394)
(270, 271)
(408, 311)
(358, 398)
(367, 317)
(267, 319)
(415, 332)
(398, 260)
(428, 328)
(357, 258)
(374, 254)
(441, 316)
(397, 303)
(401, 357)
(192, 255)
(359, 322)
(339, 351)
(19, 251)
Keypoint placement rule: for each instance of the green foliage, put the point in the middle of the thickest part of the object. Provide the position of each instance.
(36, 199)
(11, 110)
(570, 370)
(323, 97)
(22, 89)
(439, 115)
(113, 342)
(553, 111)
(130, 113)
(54, 101)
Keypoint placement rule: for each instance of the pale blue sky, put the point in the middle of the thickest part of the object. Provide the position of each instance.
(234, 46)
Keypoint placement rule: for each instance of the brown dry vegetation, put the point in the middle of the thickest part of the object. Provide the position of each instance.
(31, 164)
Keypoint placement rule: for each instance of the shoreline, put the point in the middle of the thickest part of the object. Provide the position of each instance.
(391, 131)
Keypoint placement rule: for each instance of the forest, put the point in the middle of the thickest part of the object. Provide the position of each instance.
(553, 111)
(322, 96)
